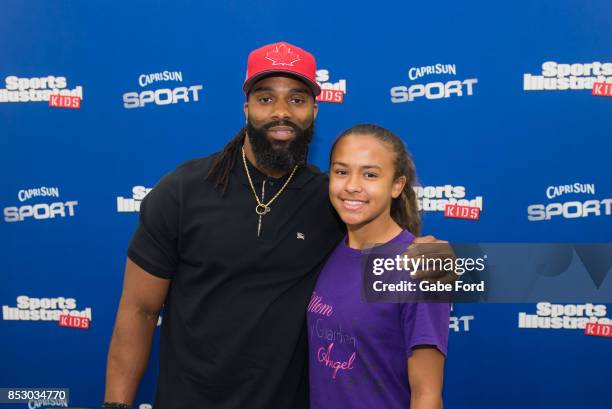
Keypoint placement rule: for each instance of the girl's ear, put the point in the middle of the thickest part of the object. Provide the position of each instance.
(398, 186)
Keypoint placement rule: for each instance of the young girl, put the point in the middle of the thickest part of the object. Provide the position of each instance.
(372, 355)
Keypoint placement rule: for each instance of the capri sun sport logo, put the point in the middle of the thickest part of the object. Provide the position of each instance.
(570, 209)
(39, 211)
(459, 323)
(47, 403)
(440, 89)
(161, 96)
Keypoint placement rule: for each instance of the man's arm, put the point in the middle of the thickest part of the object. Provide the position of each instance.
(141, 301)
(425, 375)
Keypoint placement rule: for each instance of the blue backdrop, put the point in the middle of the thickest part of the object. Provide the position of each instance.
(457, 80)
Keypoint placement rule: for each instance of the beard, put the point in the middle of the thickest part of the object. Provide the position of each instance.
(279, 156)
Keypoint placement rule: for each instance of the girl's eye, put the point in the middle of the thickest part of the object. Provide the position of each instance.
(340, 172)
(371, 175)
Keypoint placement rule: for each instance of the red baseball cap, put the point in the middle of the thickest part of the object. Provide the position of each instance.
(281, 58)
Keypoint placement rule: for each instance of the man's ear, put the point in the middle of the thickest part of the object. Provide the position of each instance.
(315, 108)
(246, 111)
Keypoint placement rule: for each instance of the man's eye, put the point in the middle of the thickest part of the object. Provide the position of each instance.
(370, 175)
(265, 100)
(341, 172)
(297, 101)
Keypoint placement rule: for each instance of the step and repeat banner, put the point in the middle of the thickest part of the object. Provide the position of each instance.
(505, 107)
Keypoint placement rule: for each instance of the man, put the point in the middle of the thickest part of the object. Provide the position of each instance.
(231, 245)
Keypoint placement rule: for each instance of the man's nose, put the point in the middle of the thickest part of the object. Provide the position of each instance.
(281, 110)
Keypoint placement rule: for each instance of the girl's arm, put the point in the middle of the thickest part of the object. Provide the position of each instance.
(425, 375)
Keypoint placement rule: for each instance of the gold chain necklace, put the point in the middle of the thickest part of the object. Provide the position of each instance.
(263, 208)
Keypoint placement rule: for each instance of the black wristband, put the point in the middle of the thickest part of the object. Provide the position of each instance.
(115, 405)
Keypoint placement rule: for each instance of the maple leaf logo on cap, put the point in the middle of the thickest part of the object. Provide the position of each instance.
(282, 55)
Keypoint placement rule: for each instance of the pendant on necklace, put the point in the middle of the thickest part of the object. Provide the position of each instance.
(262, 209)
(259, 226)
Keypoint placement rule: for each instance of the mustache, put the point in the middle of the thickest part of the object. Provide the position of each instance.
(281, 123)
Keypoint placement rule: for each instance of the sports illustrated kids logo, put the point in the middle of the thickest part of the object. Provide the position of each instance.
(563, 316)
(331, 90)
(132, 204)
(568, 77)
(51, 89)
(453, 200)
(45, 309)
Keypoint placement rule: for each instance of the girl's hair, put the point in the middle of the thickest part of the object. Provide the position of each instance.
(224, 162)
(404, 209)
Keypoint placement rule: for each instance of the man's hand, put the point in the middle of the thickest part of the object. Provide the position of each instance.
(431, 248)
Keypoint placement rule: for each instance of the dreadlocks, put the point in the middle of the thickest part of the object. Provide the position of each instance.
(224, 162)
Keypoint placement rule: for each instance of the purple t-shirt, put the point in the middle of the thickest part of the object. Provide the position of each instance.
(358, 351)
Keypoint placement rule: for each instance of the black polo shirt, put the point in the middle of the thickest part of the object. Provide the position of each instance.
(234, 333)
